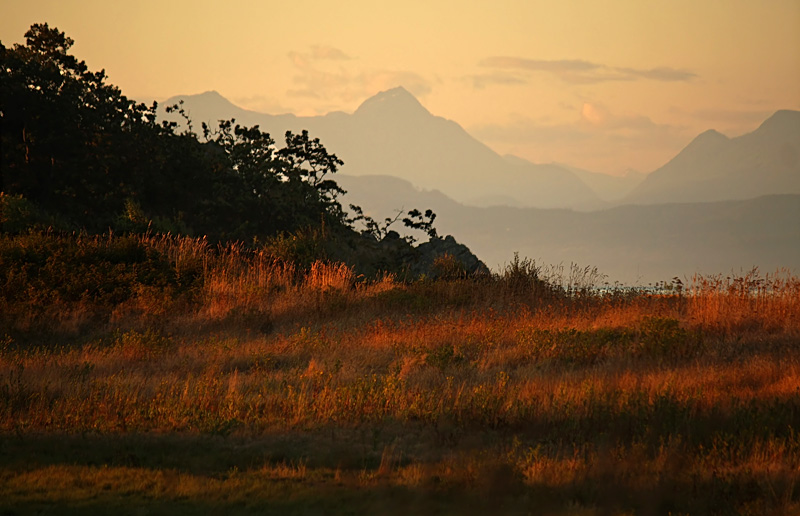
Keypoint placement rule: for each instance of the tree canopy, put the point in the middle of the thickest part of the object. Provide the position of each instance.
(75, 146)
(77, 154)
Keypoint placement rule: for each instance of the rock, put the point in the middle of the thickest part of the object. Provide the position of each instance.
(437, 248)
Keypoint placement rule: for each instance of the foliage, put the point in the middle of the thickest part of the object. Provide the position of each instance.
(18, 214)
(424, 222)
(77, 154)
(522, 275)
(46, 278)
(447, 267)
(71, 142)
(352, 392)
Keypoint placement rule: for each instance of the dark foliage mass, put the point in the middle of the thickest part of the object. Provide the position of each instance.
(78, 155)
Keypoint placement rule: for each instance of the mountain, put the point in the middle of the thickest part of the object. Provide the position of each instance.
(210, 107)
(607, 187)
(397, 103)
(554, 178)
(714, 167)
(399, 156)
(631, 244)
(393, 134)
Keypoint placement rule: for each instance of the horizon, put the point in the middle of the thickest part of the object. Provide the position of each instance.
(601, 88)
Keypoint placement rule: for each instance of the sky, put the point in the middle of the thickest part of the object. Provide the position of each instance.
(605, 86)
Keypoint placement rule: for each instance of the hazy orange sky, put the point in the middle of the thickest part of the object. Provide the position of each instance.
(605, 86)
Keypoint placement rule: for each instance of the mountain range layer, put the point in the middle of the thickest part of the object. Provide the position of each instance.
(721, 205)
(631, 244)
(714, 167)
(393, 134)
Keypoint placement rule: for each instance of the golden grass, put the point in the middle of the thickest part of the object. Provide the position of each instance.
(274, 388)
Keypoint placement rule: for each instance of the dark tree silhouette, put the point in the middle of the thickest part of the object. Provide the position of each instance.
(81, 155)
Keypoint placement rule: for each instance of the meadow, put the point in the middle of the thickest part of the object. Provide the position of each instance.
(164, 375)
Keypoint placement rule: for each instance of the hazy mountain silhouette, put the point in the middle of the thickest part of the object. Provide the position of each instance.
(607, 187)
(397, 155)
(714, 167)
(393, 134)
(632, 244)
(397, 103)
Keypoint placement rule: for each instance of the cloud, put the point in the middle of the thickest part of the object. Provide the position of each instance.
(331, 78)
(481, 81)
(593, 114)
(317, 53)
(578, 71)
(561, 66)
(328, 52)
(662, 73)
(596, 139)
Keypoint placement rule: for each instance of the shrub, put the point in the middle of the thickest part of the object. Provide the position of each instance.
(522, 276)
(447, 267)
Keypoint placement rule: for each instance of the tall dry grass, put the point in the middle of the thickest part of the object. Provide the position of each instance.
(682, 400)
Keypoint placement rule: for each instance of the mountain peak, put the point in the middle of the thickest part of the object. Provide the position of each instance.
(394, 102)
(708, 141)
(783, 122)
(210, 98)
(210, 94)
(711, 135)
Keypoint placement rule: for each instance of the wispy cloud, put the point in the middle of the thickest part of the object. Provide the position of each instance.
(593, 139)
(328, 52)
(331, 77)
(661, 73)
(578, 71)
(481, 81)
(317, 53)
(560, 66)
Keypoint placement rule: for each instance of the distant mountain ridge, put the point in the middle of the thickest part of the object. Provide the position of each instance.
(396, 101)
(392, 134)
(398, 155)
(635, 245)
(609, 188)
(714, 167)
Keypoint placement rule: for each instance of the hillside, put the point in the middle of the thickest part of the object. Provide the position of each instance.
(393, 134)
(714, 167)
(607, 187)
(632, 244)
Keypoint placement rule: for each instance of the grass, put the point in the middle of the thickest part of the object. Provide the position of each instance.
(167, 376)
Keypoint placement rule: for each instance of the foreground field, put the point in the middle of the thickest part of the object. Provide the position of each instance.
(179, 379)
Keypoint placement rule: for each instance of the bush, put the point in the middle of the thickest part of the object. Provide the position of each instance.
(521, 276)
(447, 267)
(18, 214)
(43, 271)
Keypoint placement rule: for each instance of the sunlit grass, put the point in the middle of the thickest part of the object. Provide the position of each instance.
(229, 379)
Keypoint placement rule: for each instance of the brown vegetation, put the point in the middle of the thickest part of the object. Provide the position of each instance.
(231, 380)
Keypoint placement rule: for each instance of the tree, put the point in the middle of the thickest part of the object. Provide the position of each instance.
(75, 149)
(71, 142)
